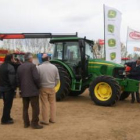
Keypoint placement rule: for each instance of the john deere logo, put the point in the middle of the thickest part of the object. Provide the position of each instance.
(112, 55)
(111, 28)
(112, 14)
(111, 42)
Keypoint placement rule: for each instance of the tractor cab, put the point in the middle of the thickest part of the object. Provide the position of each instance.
(75, 52)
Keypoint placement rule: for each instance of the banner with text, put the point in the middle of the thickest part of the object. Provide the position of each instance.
(133, 35)
(112, 34)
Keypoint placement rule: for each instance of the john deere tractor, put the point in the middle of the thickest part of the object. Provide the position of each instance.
(79, 69)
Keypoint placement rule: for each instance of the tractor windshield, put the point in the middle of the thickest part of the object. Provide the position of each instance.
(67, 51)
(58, 51)
(71, 51)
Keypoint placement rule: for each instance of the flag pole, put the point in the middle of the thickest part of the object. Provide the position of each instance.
(104, 32)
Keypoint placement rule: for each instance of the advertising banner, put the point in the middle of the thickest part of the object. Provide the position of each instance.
(133, 35)
(112, 34)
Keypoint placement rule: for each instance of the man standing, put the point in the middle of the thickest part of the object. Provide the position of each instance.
(49, 77)
(7, 87)
(134, 74)
(28, 80)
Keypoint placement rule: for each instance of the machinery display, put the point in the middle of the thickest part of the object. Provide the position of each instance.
(79, 69)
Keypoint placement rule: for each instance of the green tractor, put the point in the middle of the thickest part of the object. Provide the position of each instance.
(79, 69)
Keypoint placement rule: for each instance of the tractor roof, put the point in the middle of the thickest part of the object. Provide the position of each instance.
(69, 39)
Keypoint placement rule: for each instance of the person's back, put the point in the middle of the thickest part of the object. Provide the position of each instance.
(28, 80)
(7, 87)
(49, 77)
(5, 68)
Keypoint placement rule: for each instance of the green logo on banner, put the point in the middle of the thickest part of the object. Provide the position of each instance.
(111, 42)
(112, 14)
(111, 28)
(112, 55)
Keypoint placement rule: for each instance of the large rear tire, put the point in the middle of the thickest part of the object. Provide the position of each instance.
(105, 91)
(63, 88)
(124, 95)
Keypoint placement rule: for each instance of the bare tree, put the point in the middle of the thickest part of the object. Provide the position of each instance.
(123, 50)
(98, 50)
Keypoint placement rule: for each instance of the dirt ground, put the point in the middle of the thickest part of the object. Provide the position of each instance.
(78, 118)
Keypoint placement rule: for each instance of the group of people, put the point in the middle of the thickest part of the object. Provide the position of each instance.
(34, 82)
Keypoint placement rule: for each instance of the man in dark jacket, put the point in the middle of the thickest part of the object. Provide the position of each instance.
(134, 74)
(28, 80)
(7, 87)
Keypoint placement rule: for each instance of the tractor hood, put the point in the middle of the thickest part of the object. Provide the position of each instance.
(103, 62)
(102, 67)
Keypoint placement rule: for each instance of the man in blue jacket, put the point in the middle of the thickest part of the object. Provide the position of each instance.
(134, 74)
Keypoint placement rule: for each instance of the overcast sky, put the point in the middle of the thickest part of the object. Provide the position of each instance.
(66, 16)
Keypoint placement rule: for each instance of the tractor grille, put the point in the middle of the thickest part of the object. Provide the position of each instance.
(119, 72)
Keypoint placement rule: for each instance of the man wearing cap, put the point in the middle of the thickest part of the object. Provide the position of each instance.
(28, 80)
(49, 78)
(134, 73)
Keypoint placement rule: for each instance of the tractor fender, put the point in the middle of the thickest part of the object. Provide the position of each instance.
(70, 71)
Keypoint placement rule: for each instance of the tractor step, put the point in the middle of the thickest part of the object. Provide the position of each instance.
(76, 84)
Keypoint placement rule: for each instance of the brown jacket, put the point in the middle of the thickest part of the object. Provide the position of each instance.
(28, 79)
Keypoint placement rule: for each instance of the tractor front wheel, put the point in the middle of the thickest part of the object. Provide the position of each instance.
(105, 91)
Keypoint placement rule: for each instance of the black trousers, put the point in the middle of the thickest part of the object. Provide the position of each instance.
(0, 95)
(35, 110)
(137, 96)
(8, 102)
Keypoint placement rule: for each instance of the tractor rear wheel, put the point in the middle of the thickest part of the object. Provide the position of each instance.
(105, 91)
(63, 87)
(124, 95)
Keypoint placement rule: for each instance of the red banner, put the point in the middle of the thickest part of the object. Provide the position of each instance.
(3, 51)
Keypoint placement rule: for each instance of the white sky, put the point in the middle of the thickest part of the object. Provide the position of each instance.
(66, 16)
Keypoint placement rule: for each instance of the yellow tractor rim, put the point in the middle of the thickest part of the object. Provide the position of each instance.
(103, 91)
(57, 86)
